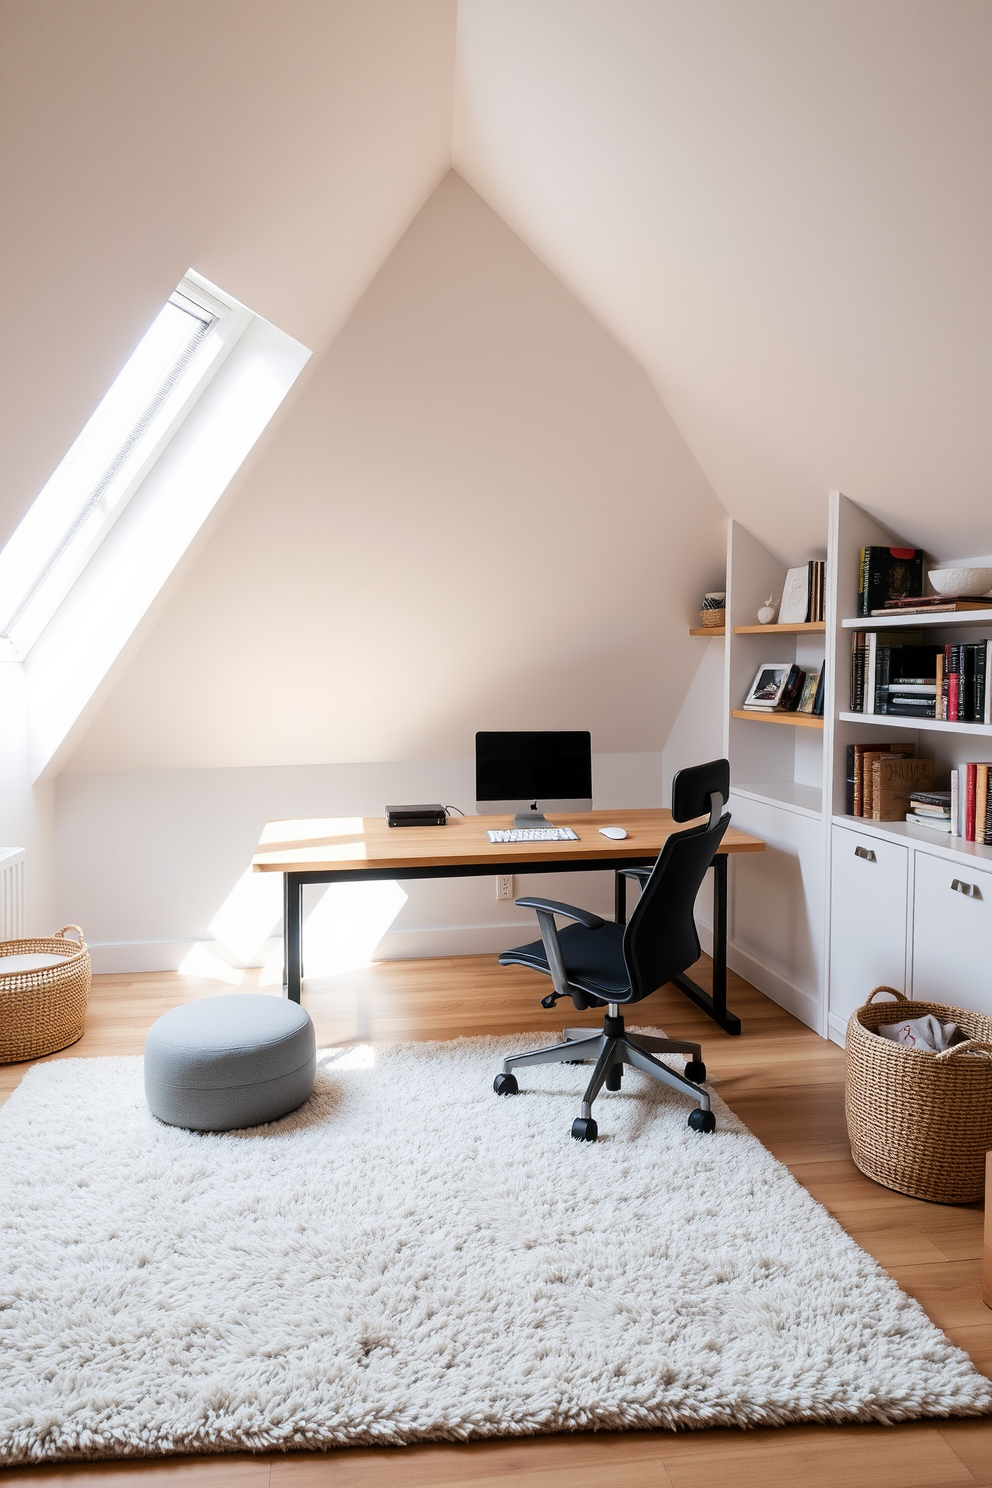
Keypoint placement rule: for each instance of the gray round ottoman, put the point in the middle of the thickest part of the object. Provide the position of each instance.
(227, 1062)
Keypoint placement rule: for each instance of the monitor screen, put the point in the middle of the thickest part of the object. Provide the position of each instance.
(549, 765)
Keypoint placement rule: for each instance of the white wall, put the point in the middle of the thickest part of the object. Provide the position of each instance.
(147, 859)
(477, 514)
(785, 211)
(27, 812)
(280, 149)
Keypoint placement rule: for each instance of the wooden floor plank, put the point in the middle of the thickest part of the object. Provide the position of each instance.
(786, 1084)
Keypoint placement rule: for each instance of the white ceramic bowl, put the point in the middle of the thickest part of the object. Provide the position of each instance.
(961, 580)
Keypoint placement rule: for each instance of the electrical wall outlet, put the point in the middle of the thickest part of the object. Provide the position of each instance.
(504, 886)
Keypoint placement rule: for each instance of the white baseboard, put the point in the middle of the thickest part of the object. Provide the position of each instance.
(108, 957)
(837, 1030)
(803, 1004)
(426, 941)
(421, 942)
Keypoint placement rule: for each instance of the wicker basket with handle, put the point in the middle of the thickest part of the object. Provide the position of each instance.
(920, 1122)
(42, 1010)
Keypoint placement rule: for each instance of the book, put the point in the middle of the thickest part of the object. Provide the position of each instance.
(849, 782)
(810, 692)
(955, 804)
(937, 799)
(956, 606)
(888, 573)
(969, 802)
(935, 823)
(981, 702)
(791, 691)
(934, 601)
(818, 698)
(893, 778)
(871, 656)
(981, 800)
(869, 754)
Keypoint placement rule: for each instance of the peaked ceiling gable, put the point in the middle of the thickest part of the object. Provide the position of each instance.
(784, 211)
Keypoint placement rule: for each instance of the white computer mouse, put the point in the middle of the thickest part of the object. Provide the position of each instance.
(615, 832)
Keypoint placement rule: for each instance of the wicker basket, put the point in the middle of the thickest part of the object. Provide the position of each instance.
(43, 1010)
(920, 1123)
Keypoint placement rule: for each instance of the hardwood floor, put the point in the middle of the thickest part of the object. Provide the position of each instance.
(783, 1081)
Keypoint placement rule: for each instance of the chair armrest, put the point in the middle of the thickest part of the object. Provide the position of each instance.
(553, 906)
(641, 874)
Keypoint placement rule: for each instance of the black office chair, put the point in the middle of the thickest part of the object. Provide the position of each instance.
(595, 961)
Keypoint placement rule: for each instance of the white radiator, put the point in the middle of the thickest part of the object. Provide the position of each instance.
(11, 893)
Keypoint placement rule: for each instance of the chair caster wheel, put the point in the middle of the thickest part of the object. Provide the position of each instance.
(695, 1071)
(505, 1085)
(584, 1129)
(702, 1121)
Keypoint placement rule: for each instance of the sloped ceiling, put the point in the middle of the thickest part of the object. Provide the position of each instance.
(279, 148)
(784, 209)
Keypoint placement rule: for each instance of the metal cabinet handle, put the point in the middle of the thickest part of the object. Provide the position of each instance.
(972, 891)
(868, 855)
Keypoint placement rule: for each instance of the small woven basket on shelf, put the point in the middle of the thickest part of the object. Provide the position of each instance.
(920, 1122)
(43, 1010)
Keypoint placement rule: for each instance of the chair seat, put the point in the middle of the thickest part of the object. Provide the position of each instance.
(593, 959)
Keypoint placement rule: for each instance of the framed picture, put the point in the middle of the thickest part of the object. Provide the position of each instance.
(795, 597)
(767, 688)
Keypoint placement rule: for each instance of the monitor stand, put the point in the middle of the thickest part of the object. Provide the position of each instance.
(531, 818)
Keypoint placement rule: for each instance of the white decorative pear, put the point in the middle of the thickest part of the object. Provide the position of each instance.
(767, 612)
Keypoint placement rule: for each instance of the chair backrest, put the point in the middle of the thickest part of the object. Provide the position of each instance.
(692, 790)
(660, 941)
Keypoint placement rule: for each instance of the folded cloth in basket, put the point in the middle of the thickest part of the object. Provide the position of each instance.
(923, 1033)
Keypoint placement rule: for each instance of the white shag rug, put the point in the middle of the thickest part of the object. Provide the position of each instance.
(410, 1257)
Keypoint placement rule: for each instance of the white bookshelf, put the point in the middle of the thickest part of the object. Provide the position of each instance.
(789, 787)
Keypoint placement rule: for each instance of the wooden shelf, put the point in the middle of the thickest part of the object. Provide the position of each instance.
(805, 628)
(797, 720)
(709, 631)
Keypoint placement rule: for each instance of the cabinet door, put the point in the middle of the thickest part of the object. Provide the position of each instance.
(952, 934)
(868, 909)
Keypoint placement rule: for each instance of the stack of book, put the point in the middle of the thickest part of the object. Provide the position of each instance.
(934, 604)
(961, 691)
(971, 803)
(887, 574)
(817, 610)
(883, 778)
(893, 676)
(930, 809)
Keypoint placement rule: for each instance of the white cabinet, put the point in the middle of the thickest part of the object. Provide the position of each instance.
(868, 911)
(952, 933)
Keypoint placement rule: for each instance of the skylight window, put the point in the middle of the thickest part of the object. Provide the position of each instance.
(168, 370)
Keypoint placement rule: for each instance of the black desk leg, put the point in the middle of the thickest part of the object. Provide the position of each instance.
(619, 899)
(716, 1006)
(292, 936)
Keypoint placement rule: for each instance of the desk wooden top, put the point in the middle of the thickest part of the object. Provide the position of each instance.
(348, 843)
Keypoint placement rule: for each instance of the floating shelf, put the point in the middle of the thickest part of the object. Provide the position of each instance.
(981, 618)
(710, 631)
(935, 725)
(806, 627)
(797, 720)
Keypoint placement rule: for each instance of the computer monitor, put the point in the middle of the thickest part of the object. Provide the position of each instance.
(530, 771)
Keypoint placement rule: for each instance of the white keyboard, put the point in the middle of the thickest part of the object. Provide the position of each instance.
(533, 834)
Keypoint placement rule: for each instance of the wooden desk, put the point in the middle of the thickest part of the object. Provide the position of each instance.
(350, 849)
